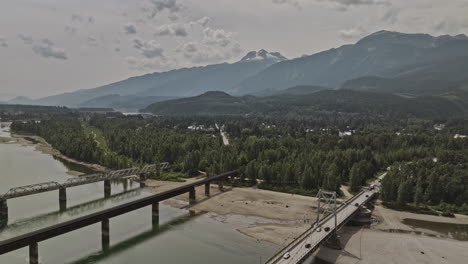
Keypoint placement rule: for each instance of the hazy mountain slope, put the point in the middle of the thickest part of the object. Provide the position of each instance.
(325, 101)
(300, 90)
(433, 77)
(375, 55)
(175, 83)
(129, 102)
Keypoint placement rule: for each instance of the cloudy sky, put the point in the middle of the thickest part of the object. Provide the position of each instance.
(54, 46)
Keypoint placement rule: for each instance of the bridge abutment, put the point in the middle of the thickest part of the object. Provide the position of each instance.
(3, 212)
(105, 234)
(33, 253)
(107, 188)
(207, 189)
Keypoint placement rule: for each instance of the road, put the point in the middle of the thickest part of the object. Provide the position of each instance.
(297, 250)
(223, 134)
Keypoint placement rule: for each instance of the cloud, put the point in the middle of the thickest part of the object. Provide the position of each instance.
(149, 49)
(288, 2)
(158, 6)
(217, 37)
(3, 42)
(130, 29)
(200, 52)
(353, 33)
(70, 30)
(450, 25)
(176, 29)
(92, 41)
(204, 21)
(47, 49)
(28, 40)
(391, 16)
(343, 5)
(77, 18)
(144, 64)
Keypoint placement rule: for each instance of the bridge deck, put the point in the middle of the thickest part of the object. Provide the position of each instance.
(297, 250)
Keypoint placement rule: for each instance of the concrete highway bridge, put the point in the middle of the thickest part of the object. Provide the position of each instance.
(73, 182)
(32, 239)
(324, 231)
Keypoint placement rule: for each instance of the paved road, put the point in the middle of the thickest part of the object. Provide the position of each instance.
(297, 250)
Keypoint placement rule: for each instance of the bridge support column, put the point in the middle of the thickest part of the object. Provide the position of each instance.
(63, 198)
(207, 189)
(192, 198)
(33, 253)
(155, 214)
(3, 212)
(220, 186)
(107, 188)
(125, 185)
(142, 180)
(105, 234)
(333, 242)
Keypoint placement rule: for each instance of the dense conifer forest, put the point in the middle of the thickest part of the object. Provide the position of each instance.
(425, 166)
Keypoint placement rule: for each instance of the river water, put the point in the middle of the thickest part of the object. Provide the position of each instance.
(181, 238)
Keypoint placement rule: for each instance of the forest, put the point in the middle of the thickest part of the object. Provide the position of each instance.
(425, 166)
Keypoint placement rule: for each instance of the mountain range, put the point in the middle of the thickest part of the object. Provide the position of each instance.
(388, 62)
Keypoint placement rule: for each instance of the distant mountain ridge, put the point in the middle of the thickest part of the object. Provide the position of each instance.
(384, 62)
(380, 54)
(175, 83)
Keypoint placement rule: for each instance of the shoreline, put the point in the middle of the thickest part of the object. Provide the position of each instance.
(41, 145)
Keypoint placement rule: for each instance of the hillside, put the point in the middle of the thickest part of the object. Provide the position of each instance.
(421, 79)
(325, 101)
(383, 54)
(209, 103)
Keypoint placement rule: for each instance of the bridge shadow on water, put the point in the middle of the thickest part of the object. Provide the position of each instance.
(138, 239)
(25, 225)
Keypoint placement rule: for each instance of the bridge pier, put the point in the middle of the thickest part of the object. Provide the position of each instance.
(33, 253)
(63, 199)
(3, 212)
(220, 186)
(333, 242)
(142, 180)
(207, 190)
(155, 214)
(105, 234)
(107, 188)
(192, 198)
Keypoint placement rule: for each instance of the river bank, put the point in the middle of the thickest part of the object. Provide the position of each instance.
(278, 217)
(41, 145)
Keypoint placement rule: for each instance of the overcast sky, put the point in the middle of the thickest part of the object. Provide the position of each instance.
(54, 46)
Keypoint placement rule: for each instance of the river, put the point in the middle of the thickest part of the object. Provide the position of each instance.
(181, 238)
